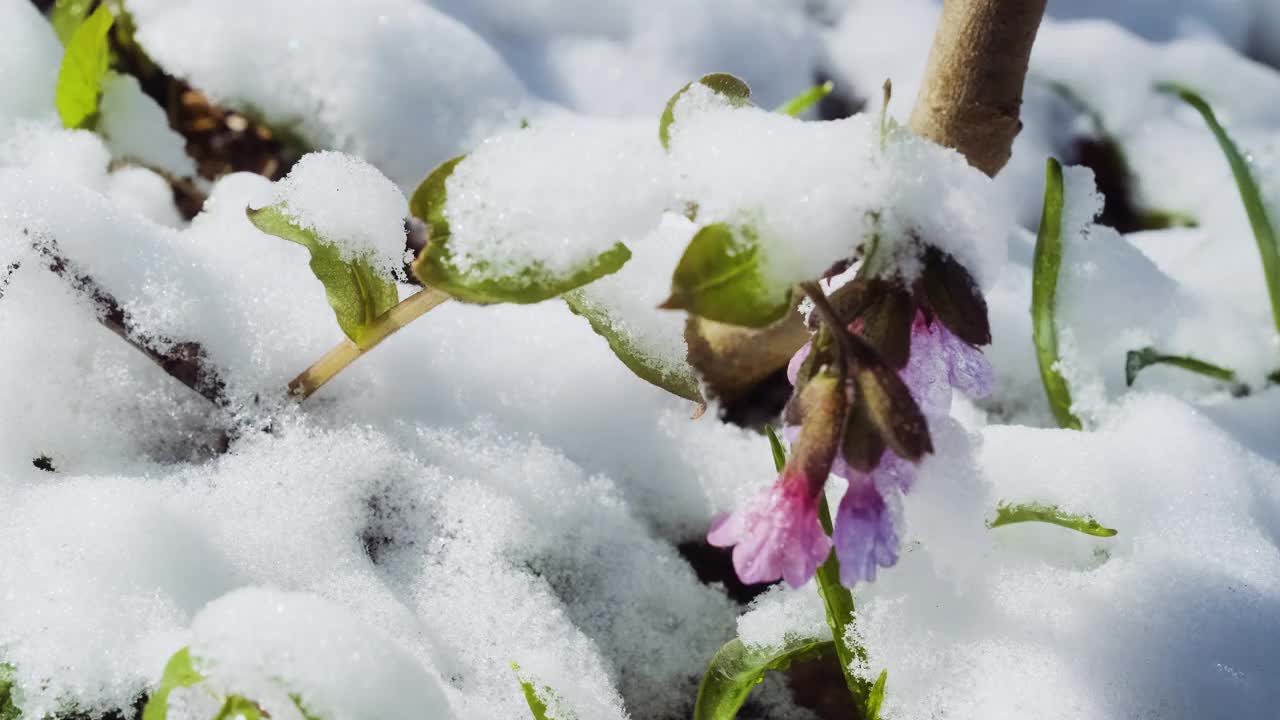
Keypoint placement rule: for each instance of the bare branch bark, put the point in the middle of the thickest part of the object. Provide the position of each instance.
(971, 97)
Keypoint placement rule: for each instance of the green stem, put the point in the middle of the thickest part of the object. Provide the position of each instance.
(347, 352)
(838, 602)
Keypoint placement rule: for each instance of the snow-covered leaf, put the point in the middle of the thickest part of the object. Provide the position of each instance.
(728, 86)
(678, 381)
(876, 697)
(737, 668)
(1044, 288)
(8, 708)
(535, 697)
(720, 278)
(356, 291)
(534, 283)
(236, 706)
(83, 68)
(1035, 512)
(178, 673)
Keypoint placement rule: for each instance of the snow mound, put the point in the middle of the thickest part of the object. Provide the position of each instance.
(556, 195)
(393, 81)
(347, 202)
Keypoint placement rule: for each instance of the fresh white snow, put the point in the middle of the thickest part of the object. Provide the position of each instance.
(491, 485)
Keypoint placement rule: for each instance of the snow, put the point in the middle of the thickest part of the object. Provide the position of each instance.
(816, 191)
(29, 63)
(241, 641)
(349, 204)
(424, 88)
(555, 195)
(490, 485)
(137, 129)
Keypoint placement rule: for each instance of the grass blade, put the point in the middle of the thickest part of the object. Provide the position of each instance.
(805, 100)
(1137, 360)
(1264, 232)
(1044, 289)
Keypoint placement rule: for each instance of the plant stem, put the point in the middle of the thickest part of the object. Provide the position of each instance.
(971, 95)
(347, 352)
(838, 602)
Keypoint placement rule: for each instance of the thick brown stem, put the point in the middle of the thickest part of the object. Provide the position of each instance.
(971, 97)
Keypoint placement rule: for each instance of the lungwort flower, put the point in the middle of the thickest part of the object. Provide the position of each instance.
(898, 359)
(777, 535)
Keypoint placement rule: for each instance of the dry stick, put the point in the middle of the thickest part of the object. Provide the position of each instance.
(184, 361)
(347, 352)
(970, 101)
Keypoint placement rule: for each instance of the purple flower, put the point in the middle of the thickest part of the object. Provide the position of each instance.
(776, 534)
(865, 537)
(940, 362)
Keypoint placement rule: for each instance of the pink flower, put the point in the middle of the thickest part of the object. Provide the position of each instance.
(776, 534)
(865, 537)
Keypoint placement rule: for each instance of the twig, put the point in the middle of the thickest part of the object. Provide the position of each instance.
(186, 361)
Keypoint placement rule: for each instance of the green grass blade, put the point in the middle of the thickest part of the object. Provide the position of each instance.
(805, 100)
(1137, 360)
(1035, 512)
(1044, 290)
(1264, 232)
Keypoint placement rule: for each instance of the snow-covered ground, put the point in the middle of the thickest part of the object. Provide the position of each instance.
(491, 486)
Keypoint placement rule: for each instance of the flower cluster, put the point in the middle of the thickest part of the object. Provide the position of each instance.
(858, 412)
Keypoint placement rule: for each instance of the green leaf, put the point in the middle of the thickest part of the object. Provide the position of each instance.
(876, 698)
(679, 381)
(1044, 290)
(1035, 512)
(537, 705)
(67, 15)
(84, 65)
(357, 293)
(775, 444)
(237, 706)
(178, 673)
(1138, 360)
(9, 709)
(720, 278)
(435, 266)
(728, 86)
(736, 669)
(1264, 231)
(805, 100)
